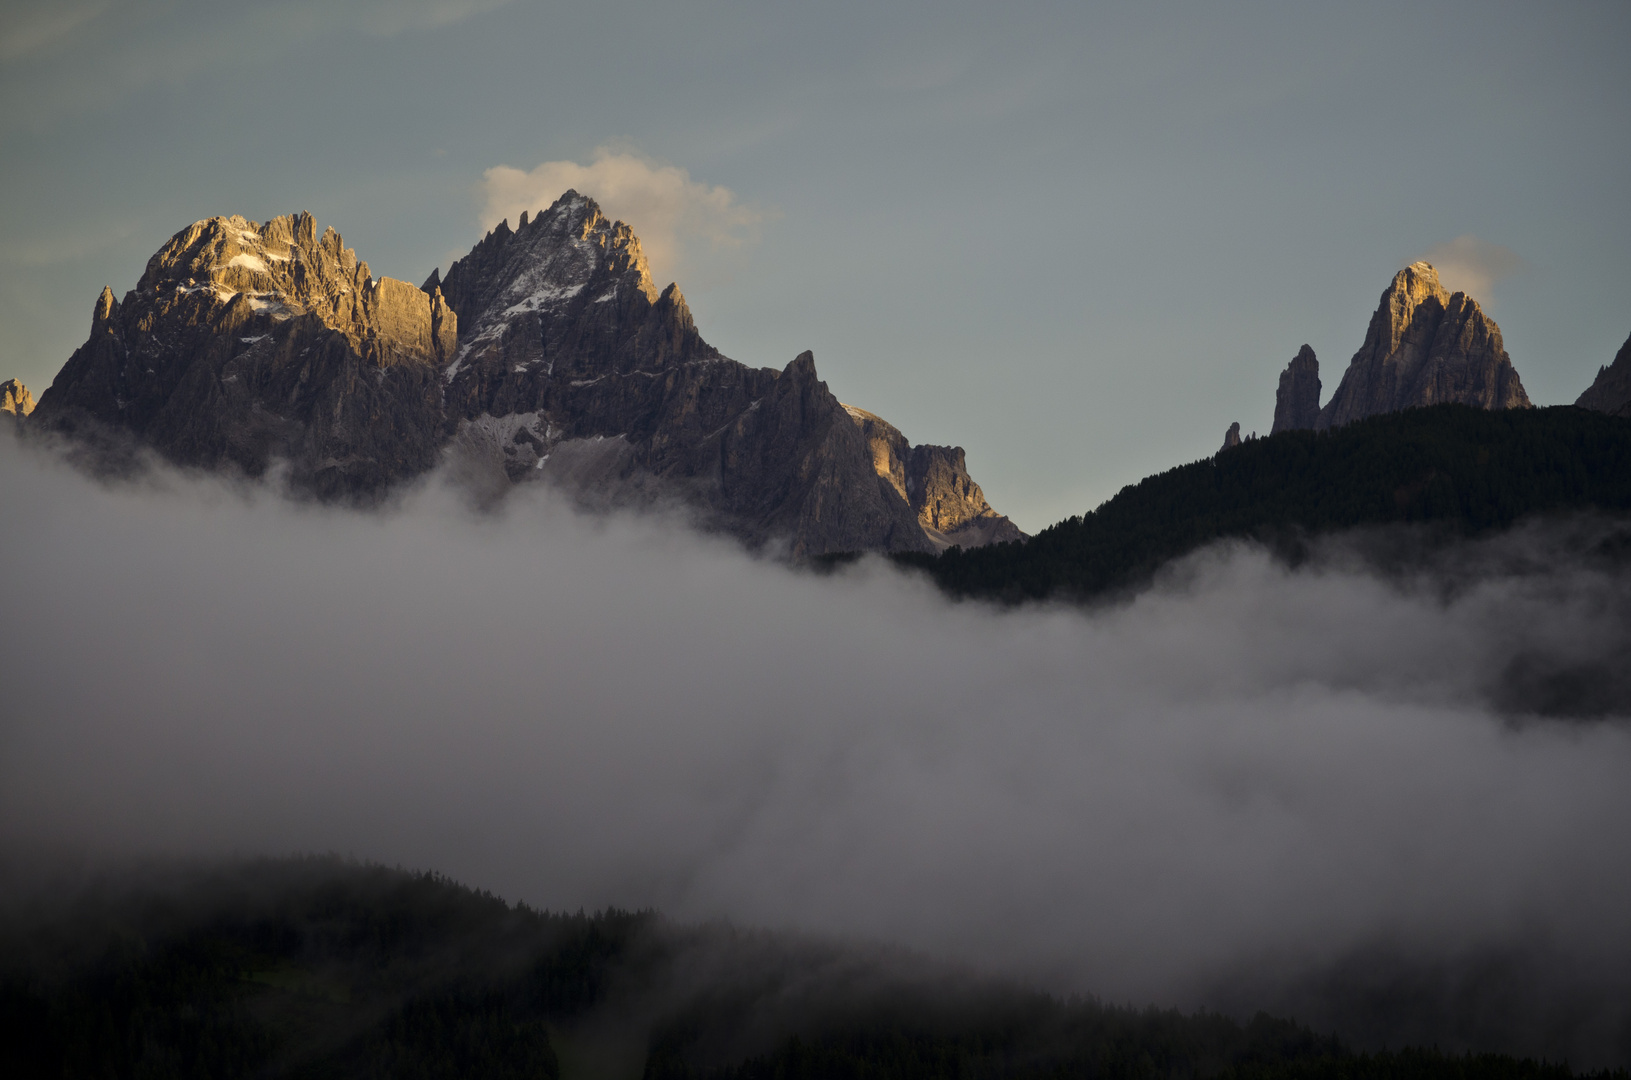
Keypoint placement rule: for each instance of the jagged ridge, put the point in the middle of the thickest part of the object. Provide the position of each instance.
(545, 353)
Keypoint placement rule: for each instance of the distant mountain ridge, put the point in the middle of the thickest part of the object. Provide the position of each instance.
(546, 353)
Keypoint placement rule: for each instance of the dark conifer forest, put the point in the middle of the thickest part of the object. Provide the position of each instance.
(1447, 472)
(321, 968)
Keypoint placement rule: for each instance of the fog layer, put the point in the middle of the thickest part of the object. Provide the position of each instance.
(1245, 778)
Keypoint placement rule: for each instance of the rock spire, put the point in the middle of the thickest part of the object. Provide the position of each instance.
(1297, 402)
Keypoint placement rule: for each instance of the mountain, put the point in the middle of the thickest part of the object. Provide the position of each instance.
(245, 344)
(1465, 471)
(1610, 392)
(1425, 346)
(573, 367)
(545, 354)
(15, 398)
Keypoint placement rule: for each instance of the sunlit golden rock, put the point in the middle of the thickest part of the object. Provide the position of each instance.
(1425, 346)
(15, 398)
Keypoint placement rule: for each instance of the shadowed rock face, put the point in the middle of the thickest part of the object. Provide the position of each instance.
(573, 368)
(1425, 346)
(1610, 392)
(934, 481)
(1297, 403)
(246, 343)
(15, 398)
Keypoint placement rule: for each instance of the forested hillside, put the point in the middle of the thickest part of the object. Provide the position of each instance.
(1463, 471)
(322, 968)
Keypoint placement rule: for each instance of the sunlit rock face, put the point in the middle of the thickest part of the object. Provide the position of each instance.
(934, 481)
(1425, 346)
(244, 344)
(15, 398)
(1610, 392)
(1297, 403)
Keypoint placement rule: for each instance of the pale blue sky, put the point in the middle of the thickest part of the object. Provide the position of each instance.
(1077, 240)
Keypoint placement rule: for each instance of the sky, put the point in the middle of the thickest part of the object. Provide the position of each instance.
(1077, 240)
(1248, 786)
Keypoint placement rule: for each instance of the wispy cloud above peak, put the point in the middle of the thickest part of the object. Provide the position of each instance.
(677, 218)
(1473, 266)
(387, 18)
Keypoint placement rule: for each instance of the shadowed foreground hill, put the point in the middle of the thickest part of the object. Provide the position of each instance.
(319, 968)
(1462, 471)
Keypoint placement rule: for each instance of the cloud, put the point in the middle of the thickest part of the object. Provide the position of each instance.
(387, 18)
(1245, 769)
(1473, 266)
(675, 217)
(24, 30)
(83, 56)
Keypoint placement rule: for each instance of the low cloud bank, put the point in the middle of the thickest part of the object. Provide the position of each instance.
(1244, 782)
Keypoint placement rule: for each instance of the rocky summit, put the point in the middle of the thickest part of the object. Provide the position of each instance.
(1610, 392)
(545, 354)
(1425, 346)
(244, 344)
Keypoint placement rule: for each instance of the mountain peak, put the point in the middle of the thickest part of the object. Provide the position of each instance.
(242, 343)
(1425, 346)
(569, 255)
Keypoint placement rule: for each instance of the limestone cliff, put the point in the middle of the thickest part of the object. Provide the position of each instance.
(244, 343)
(1297, 403)
(934, 481)
(1231, 438)
(15, 398)
(573, 368)
(1425, 346)
(1610, 392)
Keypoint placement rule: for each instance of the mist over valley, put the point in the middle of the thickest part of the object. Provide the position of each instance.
(454, 650)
